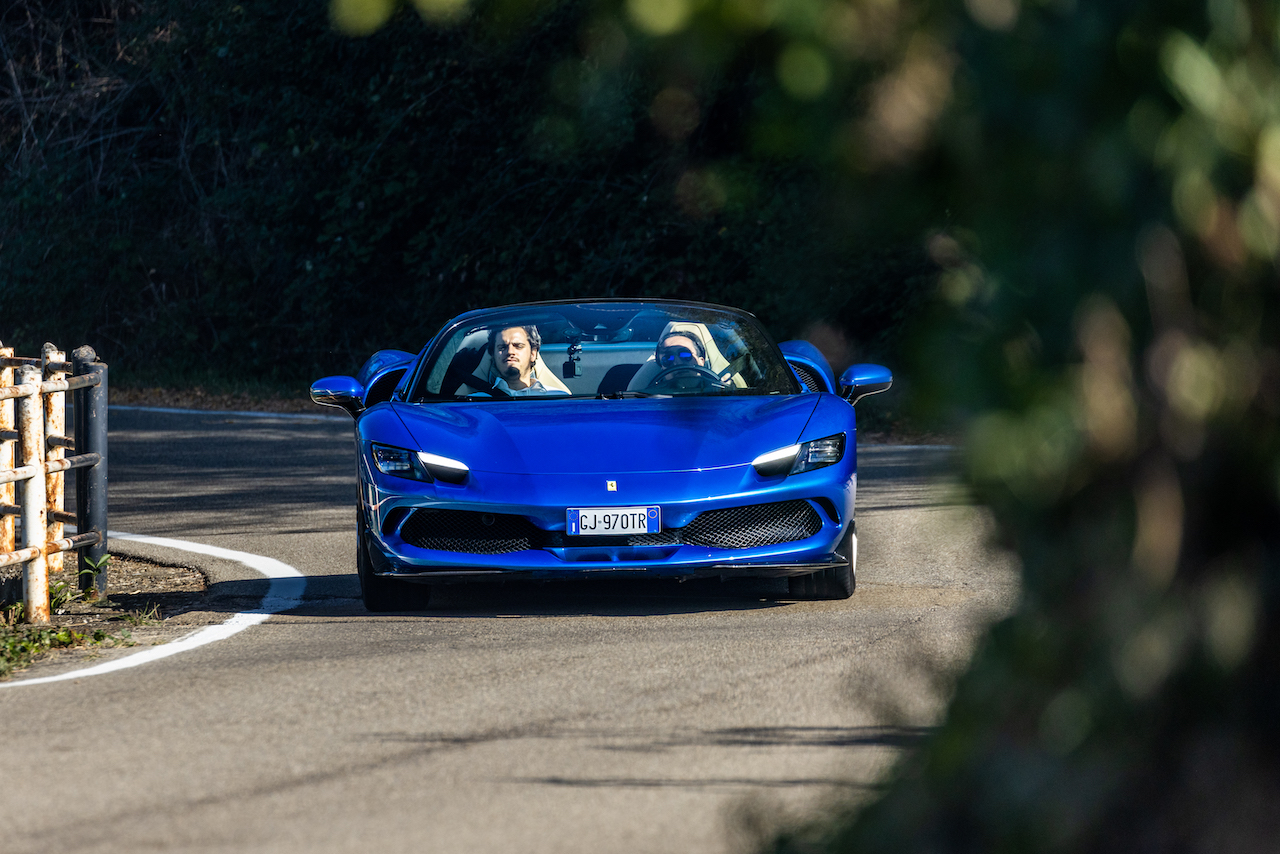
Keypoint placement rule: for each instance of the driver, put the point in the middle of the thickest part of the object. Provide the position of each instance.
(515, 358)
(680, 349)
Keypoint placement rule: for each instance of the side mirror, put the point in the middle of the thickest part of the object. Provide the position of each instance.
(343, 392)
(858, 381)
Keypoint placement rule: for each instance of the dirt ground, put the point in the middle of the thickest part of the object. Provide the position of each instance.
(199, 398)
(139, 592)
(147, 603)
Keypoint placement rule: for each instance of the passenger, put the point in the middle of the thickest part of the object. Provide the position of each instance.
(515, 360)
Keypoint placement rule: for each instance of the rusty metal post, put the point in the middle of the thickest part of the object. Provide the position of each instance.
(53, 367)
(35, 578)
(7, 440)
(91, 482)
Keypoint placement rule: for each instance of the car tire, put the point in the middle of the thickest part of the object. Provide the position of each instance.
(382, 594)
(838, 582)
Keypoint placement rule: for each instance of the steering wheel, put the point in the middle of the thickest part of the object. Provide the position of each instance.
(696, 370)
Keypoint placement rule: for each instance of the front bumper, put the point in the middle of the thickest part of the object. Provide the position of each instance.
(548, 553)
(457, 575)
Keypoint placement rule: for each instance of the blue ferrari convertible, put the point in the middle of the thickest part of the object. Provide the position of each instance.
(625, 438)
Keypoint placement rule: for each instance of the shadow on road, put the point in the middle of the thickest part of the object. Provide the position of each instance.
(339, 596)
(647, 741)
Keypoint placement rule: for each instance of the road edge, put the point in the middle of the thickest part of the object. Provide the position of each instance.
(285, 591)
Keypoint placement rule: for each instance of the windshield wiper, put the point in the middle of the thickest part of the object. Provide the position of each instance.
(625, 393)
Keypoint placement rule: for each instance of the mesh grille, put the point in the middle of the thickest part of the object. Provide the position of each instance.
(467, 532)
(753, 526)
(669, 537)
(811, 377)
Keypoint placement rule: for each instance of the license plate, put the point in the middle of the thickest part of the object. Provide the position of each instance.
(613, 521)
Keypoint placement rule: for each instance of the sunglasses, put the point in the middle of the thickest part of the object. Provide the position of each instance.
(674, 356)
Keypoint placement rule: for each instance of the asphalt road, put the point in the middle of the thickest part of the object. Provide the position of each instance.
(628, 717)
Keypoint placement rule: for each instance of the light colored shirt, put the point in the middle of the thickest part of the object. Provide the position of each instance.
(535, 387)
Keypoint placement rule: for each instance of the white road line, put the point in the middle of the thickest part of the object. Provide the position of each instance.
(285, 592)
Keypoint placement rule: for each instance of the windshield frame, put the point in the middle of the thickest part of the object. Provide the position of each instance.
(777, 376)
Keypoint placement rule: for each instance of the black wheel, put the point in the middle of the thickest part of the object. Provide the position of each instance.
(837, 582)
(382, 594)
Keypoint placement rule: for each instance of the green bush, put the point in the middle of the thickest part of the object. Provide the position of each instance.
(235, 185)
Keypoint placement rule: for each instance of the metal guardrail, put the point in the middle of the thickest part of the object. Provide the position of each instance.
(33, 463)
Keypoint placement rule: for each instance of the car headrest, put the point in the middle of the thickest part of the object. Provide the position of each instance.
(716, 360)
(549, 380)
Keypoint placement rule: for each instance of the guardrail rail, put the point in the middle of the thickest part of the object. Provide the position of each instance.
(35, 454)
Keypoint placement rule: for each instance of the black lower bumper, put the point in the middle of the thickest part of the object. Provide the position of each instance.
(460, 575)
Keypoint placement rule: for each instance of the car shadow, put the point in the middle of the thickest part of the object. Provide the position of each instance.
(339, 596)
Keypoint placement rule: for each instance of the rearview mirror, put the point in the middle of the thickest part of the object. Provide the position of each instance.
(858, 381)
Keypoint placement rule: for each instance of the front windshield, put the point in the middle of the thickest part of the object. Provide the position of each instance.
(633, 349)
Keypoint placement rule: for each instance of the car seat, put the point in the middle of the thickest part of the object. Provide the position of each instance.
(483, 367)
(716, 360)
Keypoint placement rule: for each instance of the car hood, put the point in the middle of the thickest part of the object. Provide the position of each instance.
(607, 436)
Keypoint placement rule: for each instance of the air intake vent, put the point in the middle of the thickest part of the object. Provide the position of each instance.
(810, 377)
(469, 533)
(753, 526)
(750, 527)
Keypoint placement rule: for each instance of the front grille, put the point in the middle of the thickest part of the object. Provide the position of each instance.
(468, 532)
(559, 539)
(811, 378)
(753, 526)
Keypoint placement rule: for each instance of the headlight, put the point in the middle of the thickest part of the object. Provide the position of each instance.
(776, 463)
(443, 468)
(399, 462)
(819, 453)
(417, 465)
(800, 458)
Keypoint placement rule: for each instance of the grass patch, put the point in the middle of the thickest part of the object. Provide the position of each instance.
(142, 594)
(21, 645)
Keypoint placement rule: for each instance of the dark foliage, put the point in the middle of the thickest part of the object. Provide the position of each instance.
(235, 187)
